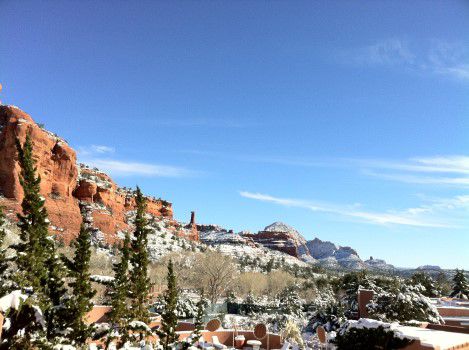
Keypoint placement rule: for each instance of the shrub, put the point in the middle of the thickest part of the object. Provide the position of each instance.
(329, 315)
(369, 339)
(405, 303)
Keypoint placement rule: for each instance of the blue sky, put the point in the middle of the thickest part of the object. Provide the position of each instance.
(346, 120)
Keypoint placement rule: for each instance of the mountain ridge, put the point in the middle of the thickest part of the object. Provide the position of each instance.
(69, 187)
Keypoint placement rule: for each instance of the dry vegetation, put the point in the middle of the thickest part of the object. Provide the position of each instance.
(216, 273)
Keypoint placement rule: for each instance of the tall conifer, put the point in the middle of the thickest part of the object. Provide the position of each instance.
(140, 283)
(199, 319)
(31, 252)
(4, 275)
(460, 285)
(82, 292)
(56, 314)
(169, 320)
(39, 269)
(119, 315)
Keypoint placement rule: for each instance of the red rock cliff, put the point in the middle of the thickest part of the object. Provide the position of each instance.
(281, 237)
(64, 183)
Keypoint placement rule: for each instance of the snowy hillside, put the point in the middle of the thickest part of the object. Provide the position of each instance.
(239, 246)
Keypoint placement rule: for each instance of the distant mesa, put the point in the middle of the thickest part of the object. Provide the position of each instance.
(283, 238)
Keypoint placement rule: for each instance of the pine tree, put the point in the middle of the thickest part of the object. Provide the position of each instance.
(290, 301)
(199, 319)
(140, 283)
(4, 273)
(169, 320)
(269, 266)
(460, 285)
(56, 292)
(119, 315)
(403, 303)
(31, 253)
(82, 292)
(424, 279)
(350, 283)
(39, 269)
(443, 283)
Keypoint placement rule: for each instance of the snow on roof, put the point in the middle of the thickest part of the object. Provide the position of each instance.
(456, 318)
(430, 337)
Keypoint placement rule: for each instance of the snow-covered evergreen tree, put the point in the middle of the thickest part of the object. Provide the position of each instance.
(350, 283)
(405, 303)
(199, 319)
(31, 252)
(460, 285)
(290, 302)
(40, 271)
(368, 334)
(327, 312)
(185, 308)
(80, 303)
(250, 305)
(5, 283)
(430, 287)
(167, 331)
(140, 283)
(24, 325)
(56, 315)
(120, 314)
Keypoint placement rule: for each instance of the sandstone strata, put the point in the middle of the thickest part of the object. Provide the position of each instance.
(65, 185)
(281, 237)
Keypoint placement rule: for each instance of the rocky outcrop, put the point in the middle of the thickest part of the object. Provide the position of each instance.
(192, 227)
(56, 164)
(111, 203)
(65, 185)
(285, 239)
(281, 237)
(216, 235)
(332, 255)
(321, 249)
(378, 265)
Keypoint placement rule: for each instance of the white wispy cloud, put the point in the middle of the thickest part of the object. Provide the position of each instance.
(99, 156)
(124, 168)
(385, 52)
(423, 216)
(449, 170)
(95, 149)
(458, 164)
(439, 170)
(438, 57)
(448, 59)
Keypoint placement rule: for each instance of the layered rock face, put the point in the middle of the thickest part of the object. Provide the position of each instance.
(64, 184)
(55, 162)
(216, 235)
(281, 237)
(378, 264)
(334, 256)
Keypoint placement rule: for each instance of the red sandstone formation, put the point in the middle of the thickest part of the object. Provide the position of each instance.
(193, 227)
(64, 184)
(281, 237)
(56, 164)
